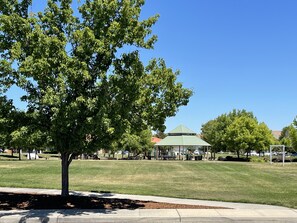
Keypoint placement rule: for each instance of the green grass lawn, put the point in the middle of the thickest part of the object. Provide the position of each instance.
(224, 181)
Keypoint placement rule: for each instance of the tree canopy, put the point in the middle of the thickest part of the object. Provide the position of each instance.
(288, 137)
(7, 123)
(237, 131)
(83, 88)
(137, 142)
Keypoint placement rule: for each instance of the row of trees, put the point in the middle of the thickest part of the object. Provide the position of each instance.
(84, 82)
(239, 132)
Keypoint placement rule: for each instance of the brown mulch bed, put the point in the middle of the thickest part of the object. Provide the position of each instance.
(16, 201)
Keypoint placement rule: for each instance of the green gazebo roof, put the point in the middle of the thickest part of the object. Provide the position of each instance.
(182, 136)
(182, 140)
(182, 130)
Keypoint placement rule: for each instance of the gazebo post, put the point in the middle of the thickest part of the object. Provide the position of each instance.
(204, 151)
(178, 152)
(157, 152)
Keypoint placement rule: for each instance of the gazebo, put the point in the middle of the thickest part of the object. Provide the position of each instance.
(180, 140)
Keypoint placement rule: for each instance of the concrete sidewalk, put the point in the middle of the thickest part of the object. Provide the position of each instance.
(239, 212)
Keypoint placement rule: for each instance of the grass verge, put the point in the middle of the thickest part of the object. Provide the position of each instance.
(239, 182)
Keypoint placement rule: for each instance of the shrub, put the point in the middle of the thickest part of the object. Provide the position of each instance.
(258, 159)
(220, 158)
(231, 158)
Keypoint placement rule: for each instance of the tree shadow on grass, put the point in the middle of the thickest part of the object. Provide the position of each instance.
(43, 207)
(13, 201)
(45, 216)
(8, 156)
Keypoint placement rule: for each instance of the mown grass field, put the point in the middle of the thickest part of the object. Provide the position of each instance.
(224, 181)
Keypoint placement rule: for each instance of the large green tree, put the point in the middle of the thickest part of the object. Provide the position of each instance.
(82, 85)
(214, 131)
(240, 134)
(288, 137)
(263, 138)
(237, 131)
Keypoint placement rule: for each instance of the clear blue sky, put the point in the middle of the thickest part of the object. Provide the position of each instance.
(234, 54)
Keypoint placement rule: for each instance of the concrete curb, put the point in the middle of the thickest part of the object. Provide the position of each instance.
(149, 215)
(240, 212)
(222, 204)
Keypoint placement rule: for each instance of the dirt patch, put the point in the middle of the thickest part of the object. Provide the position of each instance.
(16, 201)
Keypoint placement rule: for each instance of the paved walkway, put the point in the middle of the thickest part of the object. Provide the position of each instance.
(240, 212)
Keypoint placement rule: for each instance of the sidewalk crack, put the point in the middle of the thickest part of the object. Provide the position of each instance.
(180, 220)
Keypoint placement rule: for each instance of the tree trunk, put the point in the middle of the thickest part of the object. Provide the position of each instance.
(29, 154)
(66, 160)
(20, 153)
(12, 152)
(238, 154)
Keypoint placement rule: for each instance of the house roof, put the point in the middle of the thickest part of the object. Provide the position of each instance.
(155, 139)
(276, 134)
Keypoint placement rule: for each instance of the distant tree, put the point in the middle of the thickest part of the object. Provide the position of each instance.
(288, 137)
(212, 134)
(294, 139)
(238, 113)
(285, 132)
(237, 131)
(82, 85)
(130, 142)
(160, 134)
(18, 139)
(28, 138)
(136, 143)
(10, 120)
(246, 134)
(146, 141)
(214, 131)
(263, 138)
(240, 135)
(6, 122)
(284, 138)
